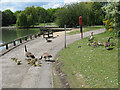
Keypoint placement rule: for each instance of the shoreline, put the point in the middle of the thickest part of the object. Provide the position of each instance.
(9, 27)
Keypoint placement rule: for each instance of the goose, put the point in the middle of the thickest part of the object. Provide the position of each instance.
(40, 58)
(94, 44)
(99, 43)
(46, 55)
(88, 44)
(19, 62)
(91, 37)
(107, 44)
(28, 54)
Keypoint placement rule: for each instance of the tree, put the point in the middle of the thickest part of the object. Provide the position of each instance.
(8, 18)
(22, 19)
(42, 14)
(31, 12)
(91, 13)
(17, 13)
(27, 17)
(97, 9)
(51, 14)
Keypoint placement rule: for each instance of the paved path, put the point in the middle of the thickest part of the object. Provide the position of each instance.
(26, 76)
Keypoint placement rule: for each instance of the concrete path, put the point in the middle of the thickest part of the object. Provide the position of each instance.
(26, 76)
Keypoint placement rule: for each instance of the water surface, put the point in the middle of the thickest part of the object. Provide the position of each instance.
(9, 34)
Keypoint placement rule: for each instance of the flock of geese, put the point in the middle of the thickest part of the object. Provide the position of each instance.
(30, 55)
(31, 59)
(99, 43)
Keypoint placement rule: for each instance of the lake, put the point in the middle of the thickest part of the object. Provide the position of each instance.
(9, 34)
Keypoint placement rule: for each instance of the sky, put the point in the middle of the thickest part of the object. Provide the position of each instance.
(15, 5)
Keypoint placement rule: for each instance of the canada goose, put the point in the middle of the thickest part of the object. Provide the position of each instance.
(109, 39)
(18, 62)
(29, 54)
(14, 59)
(94, 44)
(38, 63)
(40, 58)
(88, 44)
(107, 44)
(91, 37)
(99, 43)
(46, 55)
(91, 33)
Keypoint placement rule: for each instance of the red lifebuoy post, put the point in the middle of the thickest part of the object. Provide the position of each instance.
(80, 22)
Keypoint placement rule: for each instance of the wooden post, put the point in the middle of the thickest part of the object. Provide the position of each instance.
(26, 38)
(6, 46)
(43, 35)
(30, 36)
(65, 35)
(48, 34)
(20, 40)
(14, 43)
(35, 36)
(52, 33)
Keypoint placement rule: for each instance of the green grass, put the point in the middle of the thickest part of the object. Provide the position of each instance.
(85, 29)
(89, 67)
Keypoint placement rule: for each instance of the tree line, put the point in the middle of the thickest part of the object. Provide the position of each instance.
(92, 14)
(30, 16)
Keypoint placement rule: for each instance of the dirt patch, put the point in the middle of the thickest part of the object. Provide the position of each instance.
(61, 74)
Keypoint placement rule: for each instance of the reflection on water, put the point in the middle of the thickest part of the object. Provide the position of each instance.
(12, 34)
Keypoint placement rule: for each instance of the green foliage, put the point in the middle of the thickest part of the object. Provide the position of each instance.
(31, 12)
(17, 13)
(42, 14)
(112, 10)
(27, 17)
(8, 18)
(22, 19)
(46, 15)
(90, 12)
(34, 15)
(51, 14)
(31, 16)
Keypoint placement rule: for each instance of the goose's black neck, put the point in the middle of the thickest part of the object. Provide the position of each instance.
(25, 49)
(109, 39)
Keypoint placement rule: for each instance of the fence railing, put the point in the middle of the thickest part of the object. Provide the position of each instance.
(43, 32)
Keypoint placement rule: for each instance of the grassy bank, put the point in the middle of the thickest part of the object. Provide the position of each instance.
(89, 67)
(85, 29)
